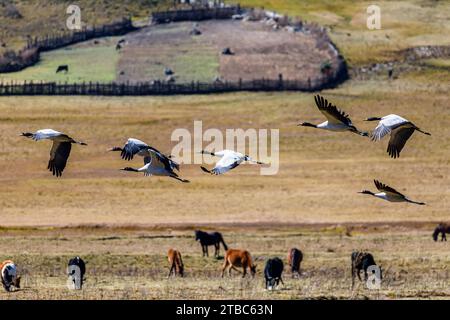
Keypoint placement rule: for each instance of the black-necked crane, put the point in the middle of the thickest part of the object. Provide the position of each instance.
(337, 120)
(155, 162)
(389, 194)
(137, 147)
(229, 160)
(60, 151)
(155, 165)
(399, 128)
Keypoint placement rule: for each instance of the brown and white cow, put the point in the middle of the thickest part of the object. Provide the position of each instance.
(235, 258)
(175, 262)
(9, 275)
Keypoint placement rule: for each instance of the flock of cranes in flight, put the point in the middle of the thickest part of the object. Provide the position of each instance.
(158, 164)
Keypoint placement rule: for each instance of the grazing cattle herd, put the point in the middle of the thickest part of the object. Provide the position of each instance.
(239, 260)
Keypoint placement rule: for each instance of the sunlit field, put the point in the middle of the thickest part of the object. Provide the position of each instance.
(319, 174)
(131, 264)
(123, 223)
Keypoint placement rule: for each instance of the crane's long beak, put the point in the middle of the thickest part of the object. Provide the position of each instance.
(256, 162)
(206, 152)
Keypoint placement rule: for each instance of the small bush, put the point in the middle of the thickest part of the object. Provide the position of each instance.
(11, 11)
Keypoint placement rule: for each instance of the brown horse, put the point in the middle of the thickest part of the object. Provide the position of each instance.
(442, 228)
(238, 258)
(295, 257)
(176, 263)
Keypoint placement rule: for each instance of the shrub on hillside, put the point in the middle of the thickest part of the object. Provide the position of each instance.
(9, 10)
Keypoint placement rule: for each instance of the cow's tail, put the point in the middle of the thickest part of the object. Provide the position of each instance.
(225, 247)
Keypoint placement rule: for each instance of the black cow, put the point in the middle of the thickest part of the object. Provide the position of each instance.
(168, 72)
(76, 268)
(227, 51)
(210, 239)
(63, 67)
(361, 261)
(272, 272)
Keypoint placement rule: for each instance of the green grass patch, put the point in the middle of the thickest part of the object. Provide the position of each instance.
(85, 64)
(438, 63)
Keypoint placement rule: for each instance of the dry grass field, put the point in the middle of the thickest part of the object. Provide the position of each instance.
(127, 222)
(123, 223)
(130, 264)
(319, 177)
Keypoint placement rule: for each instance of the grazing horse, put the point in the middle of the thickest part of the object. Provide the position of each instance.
(62, 68)
(361, 261)
(442, 228)
(76, 268)
(295, 257)
(272, 273)
(9, 275)
(176, 263)
(238, 258)
(210, 239)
